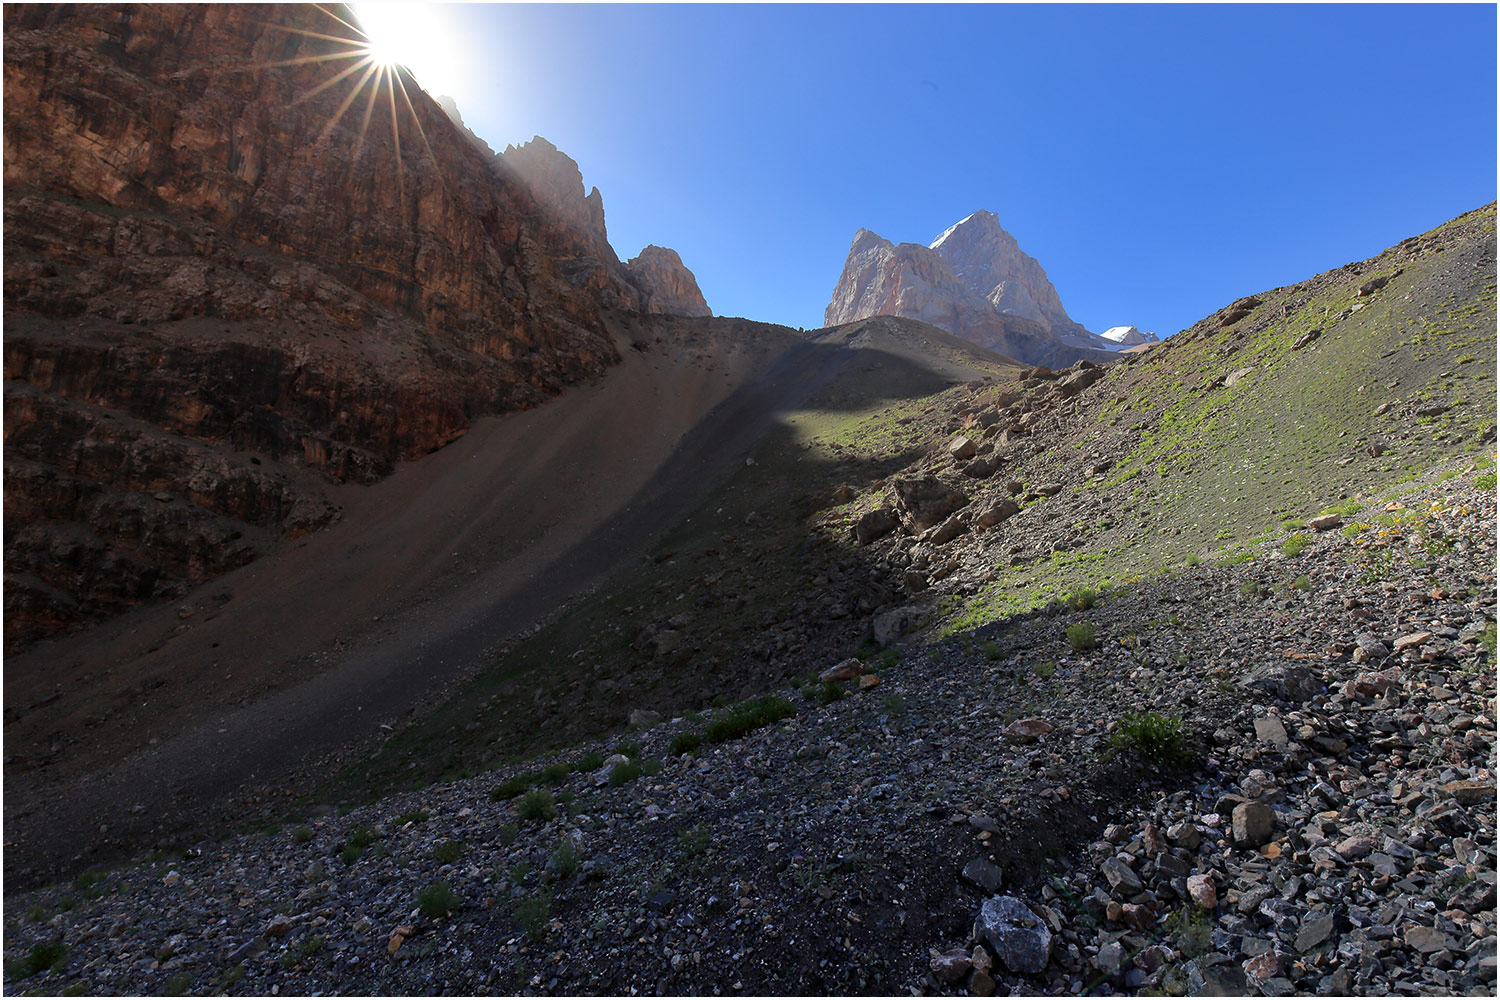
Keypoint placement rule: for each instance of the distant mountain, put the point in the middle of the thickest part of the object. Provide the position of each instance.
(667, 284)
(1129, 336)
(974, 281)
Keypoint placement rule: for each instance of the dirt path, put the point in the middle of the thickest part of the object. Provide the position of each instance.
(426, 572)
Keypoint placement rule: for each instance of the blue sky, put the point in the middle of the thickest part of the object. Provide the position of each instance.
(1157, 161)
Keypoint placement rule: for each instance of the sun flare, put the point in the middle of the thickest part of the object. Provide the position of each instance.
(416, 36)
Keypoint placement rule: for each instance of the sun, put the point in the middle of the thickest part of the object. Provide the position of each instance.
(416, 36)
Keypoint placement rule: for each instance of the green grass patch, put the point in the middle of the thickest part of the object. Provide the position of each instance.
(513, 786)
(46, 956)
(437, 900)
(354, 848)
(448, 851)
(1082, 636)
(1295, 545)
(539, 805)
(1158, 738)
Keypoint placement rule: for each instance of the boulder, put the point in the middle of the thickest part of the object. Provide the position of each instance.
(891, 625)
(847, 670)
(924, 503)
(1079, 381)
(1252, 824)
(1019, 938)
(876, 524)
(961, 448)
(997, 512)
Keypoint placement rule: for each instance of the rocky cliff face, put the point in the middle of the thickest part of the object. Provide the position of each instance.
(668, 286)
(226, 287)
(973, 281)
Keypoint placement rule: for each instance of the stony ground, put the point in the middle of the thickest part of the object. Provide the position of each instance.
(1331, 828)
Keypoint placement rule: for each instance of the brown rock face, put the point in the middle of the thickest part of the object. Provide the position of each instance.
(973, 281)
(226, 286)
(668, 286)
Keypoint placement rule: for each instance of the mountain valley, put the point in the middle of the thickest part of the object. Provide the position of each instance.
(407, 595)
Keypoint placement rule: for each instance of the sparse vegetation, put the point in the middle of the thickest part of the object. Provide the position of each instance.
(1294, 545)
(685, 742)
(448, 851)
(513, 786)
(1082, 599)
(1044, 668)
(556, 774)
(827, 692)
(565, 858)
(354, 848)
(1302, 583)
(437, 900)
(1081, 636)
(621, 774)
(531, 913)
(45, 956)
(539, 805)
(694, 841)
(1159, 738)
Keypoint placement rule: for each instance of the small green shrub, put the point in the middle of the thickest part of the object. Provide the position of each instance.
(1487, 639)
(177, 985)
(1157, 737)
(540, 805)
(992, 650)
(437, 900)
(1250, 588)
(556, 774)
(591, 761)
(1045, 668)
(1302, 583)
(513, 786)
(1485, 481)
(694, 841)
(685, 743)
(48, 955)
(651, 767)
(629, 748)
(895, 704)
(448, 851)
(1193, 559)
(354, 848)
(302, 834)
(827, 693)
(1294, 545)
(623, 773)
(1082, 599)
(413, 816)
(1081, 636)
(508, 834)
(747, 717)
(565, 859)
(532, 912)
(1191, 930)
(889, 659)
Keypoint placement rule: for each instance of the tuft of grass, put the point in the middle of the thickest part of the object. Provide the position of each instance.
(513, 786)
(1302, 583)
(694, 841)
(651, 767)
(437, 900)
(1193, 559)
(1082, 599)
(827, 693)
(412, 816)
(685, 743)
(1485, 481)
(747, 717)
(1191, 930)
(1250, 588)
(1081, 636)
(508, 834)
(532, 912)
(992, 650)
(354, 848)
(630, 748)
(1045, 668)
(1487, 639)
(591, 761)
(556, 774)
(45, 956)
(302, 834)
(540, 805)
(448, 851)
(895, 704)
(1294, 545)
(178, 985)
(565, 859)
(623, 773)
(1157, 737)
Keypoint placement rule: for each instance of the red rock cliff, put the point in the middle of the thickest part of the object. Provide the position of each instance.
(229, 278)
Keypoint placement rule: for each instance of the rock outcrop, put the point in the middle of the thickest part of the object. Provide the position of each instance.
(973, 281)
(226, 286)
(667, 285)
(555, 180)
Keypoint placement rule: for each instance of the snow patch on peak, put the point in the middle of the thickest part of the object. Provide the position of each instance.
(983, 213)
(1127, 336)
